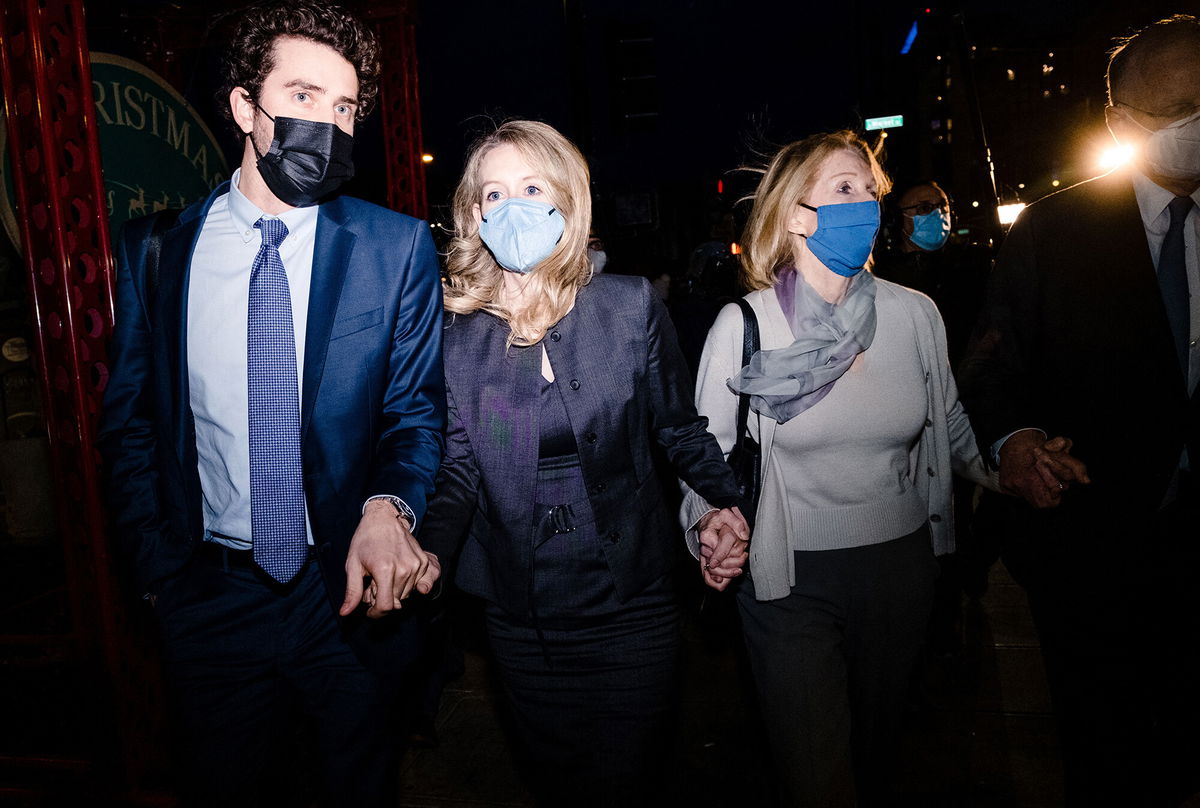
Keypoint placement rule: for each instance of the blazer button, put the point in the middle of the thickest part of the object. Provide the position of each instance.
(590, 437)
(928, 422)
(614, 537)
(574, 384)
(935, 518)
(930, 470)
(600, 488)
(554, 335)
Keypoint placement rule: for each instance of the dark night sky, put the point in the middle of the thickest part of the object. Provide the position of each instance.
(732, 78)
(736, 77)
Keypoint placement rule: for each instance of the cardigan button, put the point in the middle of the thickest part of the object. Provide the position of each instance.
(930, 470)
(590, 437)
(600, 488)
(574, 384)
(928, 422)
(554, 335)
(935, 518)
(614, 537)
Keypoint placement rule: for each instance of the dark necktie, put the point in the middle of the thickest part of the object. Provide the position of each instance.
(276, 480)
(1173, 281)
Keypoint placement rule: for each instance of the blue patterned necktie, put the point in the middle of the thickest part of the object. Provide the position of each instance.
(276, 479)
(1173, 281)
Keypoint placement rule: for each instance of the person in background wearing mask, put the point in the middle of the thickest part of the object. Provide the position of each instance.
(921, 256)
(860, 426)
(596, 253)
(272, 426)
(1090, 331)
(557, 382)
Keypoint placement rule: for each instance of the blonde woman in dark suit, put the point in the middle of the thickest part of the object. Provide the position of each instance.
(558, 381)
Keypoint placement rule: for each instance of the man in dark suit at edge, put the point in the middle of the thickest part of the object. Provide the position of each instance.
(1090, 332)
(273, 424)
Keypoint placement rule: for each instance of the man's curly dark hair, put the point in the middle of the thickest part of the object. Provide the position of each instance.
(251, 54)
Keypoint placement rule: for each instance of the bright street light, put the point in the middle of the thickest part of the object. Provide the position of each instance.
(1008, 213)
(1115, 155)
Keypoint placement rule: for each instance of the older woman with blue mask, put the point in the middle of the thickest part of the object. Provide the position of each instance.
(856, 412)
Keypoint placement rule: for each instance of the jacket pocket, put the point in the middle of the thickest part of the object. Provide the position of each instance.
(346, 326)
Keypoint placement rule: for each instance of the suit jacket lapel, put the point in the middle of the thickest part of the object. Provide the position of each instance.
(502, 386)
(331, 259)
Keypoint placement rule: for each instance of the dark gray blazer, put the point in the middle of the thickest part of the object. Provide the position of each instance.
(624, 383)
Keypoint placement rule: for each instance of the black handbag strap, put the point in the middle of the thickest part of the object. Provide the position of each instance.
(749, 348)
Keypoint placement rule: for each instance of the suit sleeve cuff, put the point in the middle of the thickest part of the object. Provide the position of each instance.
(998, 445)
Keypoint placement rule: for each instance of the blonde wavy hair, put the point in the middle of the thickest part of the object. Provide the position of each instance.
(475, 281)
(788, 179)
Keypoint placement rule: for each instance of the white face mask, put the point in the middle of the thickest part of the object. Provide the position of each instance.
(599, 258)
(1174, 150)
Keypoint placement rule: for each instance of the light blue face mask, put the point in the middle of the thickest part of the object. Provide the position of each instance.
(521, 233)
(844, 236)
(931, 230)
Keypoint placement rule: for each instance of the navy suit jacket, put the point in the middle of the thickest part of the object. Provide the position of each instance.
(373, 407)
(1075, 340)
(624, 383)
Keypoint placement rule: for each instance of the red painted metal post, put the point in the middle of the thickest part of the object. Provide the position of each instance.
(400, 104)
(53, 143)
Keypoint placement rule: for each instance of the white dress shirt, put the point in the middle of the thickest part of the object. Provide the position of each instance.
(1153, 200)
(218, 300)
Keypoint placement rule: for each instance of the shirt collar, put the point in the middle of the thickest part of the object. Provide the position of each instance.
(1153, 199)
(245, 213)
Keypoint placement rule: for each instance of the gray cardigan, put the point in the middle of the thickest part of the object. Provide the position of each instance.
(947, 442)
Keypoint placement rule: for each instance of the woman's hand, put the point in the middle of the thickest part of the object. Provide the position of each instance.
(724, 546)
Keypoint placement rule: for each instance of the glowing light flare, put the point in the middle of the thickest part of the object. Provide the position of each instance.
(1009, 213)
(1055, 183)
(1114, 156)
(426, 158)
(735, 248)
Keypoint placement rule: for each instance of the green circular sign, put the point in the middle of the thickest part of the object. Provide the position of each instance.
(156, 151)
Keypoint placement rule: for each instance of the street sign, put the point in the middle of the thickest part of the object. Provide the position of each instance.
(886, 122)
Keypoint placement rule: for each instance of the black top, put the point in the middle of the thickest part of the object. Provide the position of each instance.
(556, 440)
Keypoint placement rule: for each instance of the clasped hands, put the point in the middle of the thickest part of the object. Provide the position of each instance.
(1038, 470)
(383, 549)
(724, 546)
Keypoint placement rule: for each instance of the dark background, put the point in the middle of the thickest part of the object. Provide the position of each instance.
(667, 99)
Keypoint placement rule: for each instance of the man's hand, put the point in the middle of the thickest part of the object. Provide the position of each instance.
(384, 550)
(1039, 470)
(724, 546)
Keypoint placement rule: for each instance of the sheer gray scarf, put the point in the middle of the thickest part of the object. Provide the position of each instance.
(784, 382)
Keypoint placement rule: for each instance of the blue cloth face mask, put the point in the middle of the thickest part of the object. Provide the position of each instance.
(931, 230)
(521, 233)
(844, 236)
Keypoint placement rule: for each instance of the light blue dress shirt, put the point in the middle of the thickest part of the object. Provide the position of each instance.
(218, 300)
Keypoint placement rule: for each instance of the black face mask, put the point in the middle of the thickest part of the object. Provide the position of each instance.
(307, 160)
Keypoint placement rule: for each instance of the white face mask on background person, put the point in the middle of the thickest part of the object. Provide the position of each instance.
(598, 258)
(1174, 150)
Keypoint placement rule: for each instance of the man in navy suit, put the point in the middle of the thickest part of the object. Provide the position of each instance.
(272, 427)
(1091, 332)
